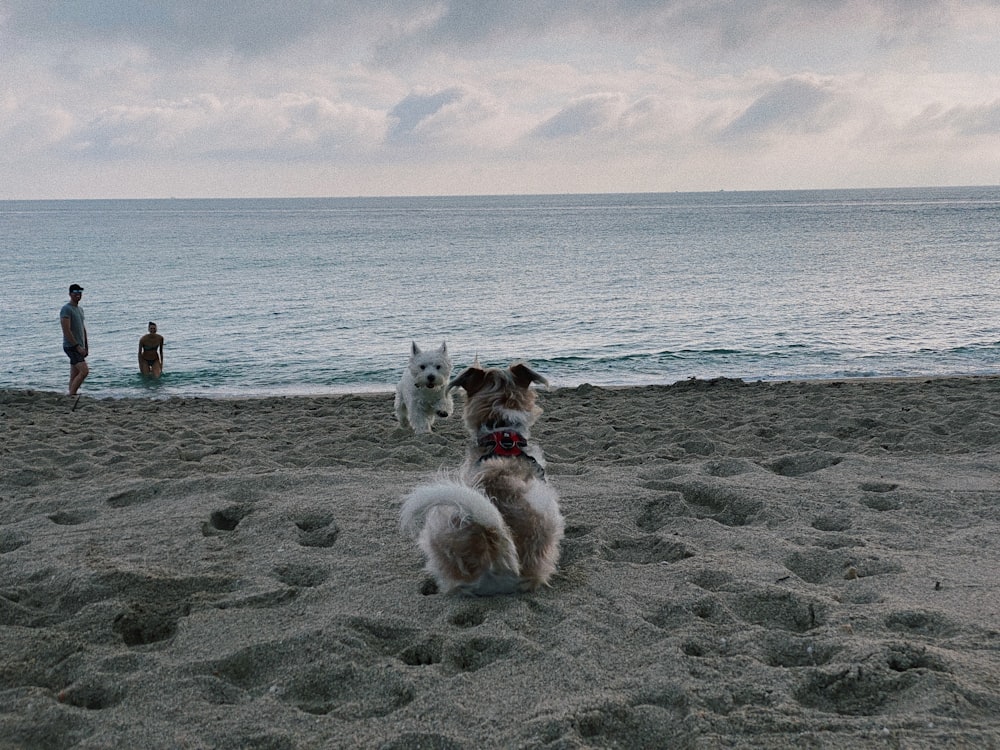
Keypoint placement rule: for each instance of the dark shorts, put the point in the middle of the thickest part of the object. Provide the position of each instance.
(75, 357)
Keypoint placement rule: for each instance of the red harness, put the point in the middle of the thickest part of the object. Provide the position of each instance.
(508, 444)
(503, 443)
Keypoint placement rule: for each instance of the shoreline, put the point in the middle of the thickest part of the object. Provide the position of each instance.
(389, 389)
(746, 563)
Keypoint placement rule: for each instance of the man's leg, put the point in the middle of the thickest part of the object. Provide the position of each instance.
(77, 375)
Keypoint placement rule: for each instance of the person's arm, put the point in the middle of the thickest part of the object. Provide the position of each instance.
(86, 343)
(68, 333)
(161, 353)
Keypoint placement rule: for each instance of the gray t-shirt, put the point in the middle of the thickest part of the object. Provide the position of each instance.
(75, 315)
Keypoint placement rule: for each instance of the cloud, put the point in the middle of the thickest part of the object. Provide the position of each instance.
(962, 120)
(249, 26)
(544, 93)
(282, 127)
(416, 110)
(400, 28)
(718, 30)
(794, 104)
(617, 119)
(589, 114)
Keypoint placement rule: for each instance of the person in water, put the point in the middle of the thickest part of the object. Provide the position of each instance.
(151, 353)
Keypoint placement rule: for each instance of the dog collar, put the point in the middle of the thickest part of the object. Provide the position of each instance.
(503, 443)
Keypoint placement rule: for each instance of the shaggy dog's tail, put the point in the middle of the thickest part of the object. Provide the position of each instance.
(466, 541)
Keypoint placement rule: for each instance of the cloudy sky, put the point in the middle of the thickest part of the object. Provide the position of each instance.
(229, 98)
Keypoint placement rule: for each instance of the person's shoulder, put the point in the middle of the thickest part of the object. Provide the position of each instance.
(65, 310)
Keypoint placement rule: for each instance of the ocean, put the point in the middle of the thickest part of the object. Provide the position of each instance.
(321, 296)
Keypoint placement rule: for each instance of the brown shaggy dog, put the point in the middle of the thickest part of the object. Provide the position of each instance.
(497, 529)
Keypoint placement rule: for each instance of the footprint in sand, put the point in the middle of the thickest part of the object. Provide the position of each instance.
(879, 486)
(728, 467)
(800, 464)
(93, 693)
(712, 579)
(320, 673)
(726, 505)
(680, 615)
(657, 512)
(578, 543)
(347, 691)
(135, 496)
(921, 623)
(318, 530)
(476, 652)
(819, 565)
(469, 617)
(11, 540)
(72, 517)
(145, 624)
(877, 496)
(649, 549)
(780, 649)
(864, 687)
(881, 503)
(630, 721)
(301, 576)
(832, 522)
(423, 654)
(774, 607)
(224, 520)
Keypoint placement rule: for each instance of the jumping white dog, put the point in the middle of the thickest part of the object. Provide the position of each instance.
(422, 393)
(497, 529)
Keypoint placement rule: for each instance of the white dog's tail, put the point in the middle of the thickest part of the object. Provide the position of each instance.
(466, 540)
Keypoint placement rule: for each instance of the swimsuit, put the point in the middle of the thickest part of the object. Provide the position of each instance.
(154, 358)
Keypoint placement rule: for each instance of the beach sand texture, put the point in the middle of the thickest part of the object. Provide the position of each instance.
(745, 565)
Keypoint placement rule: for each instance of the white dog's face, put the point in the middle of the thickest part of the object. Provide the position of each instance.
(430, 369)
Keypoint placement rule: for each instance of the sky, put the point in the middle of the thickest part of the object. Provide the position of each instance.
(258, 98)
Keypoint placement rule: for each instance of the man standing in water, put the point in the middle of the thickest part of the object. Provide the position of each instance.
(75, 338)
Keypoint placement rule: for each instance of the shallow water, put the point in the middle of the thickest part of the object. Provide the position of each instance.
(325, 295)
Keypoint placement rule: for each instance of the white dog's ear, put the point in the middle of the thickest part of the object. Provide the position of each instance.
(414, 348)
(471, 379)
(524, 376)
(444, 347)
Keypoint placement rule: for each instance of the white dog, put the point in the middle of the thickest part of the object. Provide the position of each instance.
(497, 529)
(422, 393)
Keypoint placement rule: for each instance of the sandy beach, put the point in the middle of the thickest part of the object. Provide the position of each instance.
(745, 565)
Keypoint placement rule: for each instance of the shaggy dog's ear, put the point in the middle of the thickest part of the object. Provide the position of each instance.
(414, 348)
(472, 379)
(525, 376)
